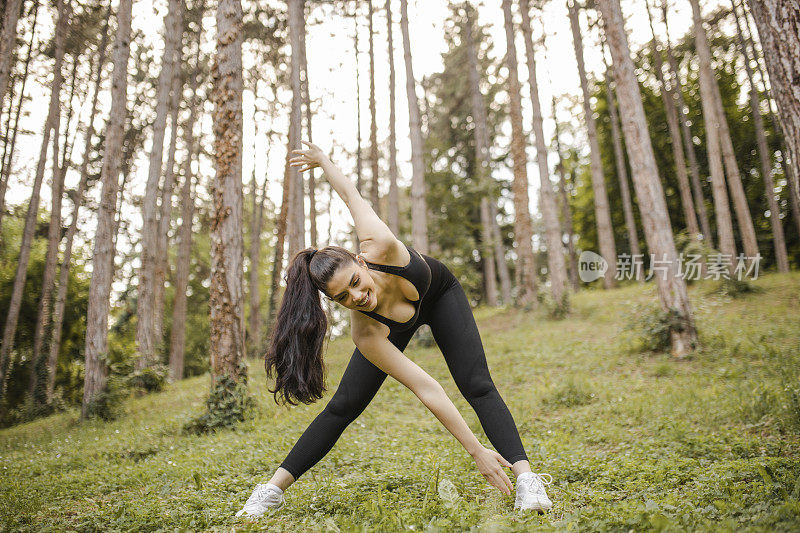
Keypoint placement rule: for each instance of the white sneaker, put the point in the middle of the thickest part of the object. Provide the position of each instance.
(266, 496)
(531, 493)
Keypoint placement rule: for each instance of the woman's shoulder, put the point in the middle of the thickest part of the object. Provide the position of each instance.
(389, 252)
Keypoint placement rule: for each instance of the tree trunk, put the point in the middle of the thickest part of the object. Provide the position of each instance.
(500, 256)
(146, 340)
(177, 345)
(622, 174)
(359, 161)
(523, 231)
(419, 209)
(63, 276)
(686, 135)
(777, 22)
(165, 209)
(297, 218)
(373, 126)
(280, 238)
(8, 42)
(555, 248)
(653, 206)
(689, 214)
(721, 206)
(227, 313)
(8, 148)
(605, 232)
(37, 383)
(566, 210)
(254, 317)
(312, 188)
(394, 196)
(51, 123)
(96, 373)
(765, 160)
(482, 162)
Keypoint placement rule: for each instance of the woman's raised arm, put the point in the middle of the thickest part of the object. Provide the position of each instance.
(369, 226)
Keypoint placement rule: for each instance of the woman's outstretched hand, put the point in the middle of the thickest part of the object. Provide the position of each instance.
(489, 464)
(308, 159)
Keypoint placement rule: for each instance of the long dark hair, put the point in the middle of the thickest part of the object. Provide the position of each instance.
(294, 355)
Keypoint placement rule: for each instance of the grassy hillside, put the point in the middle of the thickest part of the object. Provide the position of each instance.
(632, 440)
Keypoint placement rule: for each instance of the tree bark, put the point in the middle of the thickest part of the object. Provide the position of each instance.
(297, 197)
(500, 257)
(622, 173)
(312, 188)
(555, 248)
(778, 25)
(146, 340)
(482, 162)
(686, 135)
(523, 231)
(227, 312)
(8, 148)
(373, 126)
(63, 276)
(51, 123)
(177, 345)
(37, 383)
(96, 373)
(419, 209)
(566, 210)
(765, 160)
(658, 232)
(711, 118)
(165, 209)
(394, 196)
(359, 159)
(605, 232)
(8, 42)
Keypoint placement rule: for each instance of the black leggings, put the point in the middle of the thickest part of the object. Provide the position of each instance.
(450, 318)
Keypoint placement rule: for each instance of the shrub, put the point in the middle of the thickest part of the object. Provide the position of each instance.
(228, 403)
(149, 379)
(571, 393)
(651, 327)
(108, 404)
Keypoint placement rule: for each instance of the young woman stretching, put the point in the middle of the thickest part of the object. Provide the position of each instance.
(391, 290)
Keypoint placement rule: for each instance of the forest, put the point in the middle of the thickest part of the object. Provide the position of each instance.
(614, 183)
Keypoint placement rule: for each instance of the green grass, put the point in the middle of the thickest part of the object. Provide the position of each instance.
(633, 440)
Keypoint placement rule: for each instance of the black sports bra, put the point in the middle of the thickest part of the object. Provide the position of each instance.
(418, 273)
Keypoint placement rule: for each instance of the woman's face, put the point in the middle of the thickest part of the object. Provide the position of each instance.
(353, 287)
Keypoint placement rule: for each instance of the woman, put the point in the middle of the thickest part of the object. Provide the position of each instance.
(391, 290)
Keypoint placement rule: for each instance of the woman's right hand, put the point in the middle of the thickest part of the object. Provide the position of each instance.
(489, 464)
(308, 159)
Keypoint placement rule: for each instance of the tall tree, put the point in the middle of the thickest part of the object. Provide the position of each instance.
(8, 146)
(96, 373)
(482, 158)
(686, 134)
(69, 237)
(523, 231)
(373, 125)
(226, 301)
(605, 232)
(555, 250)
(687, 202)
(566, 210)
(8, 41)
(51, 125)
(777, 22)
(312, 189)
(394, 196)
(177, 345)
(711, 118)
(146, 340)
(297, 217)
(765, 160)
(658, 232)
(622, 171)
(359, 160)
(419, 209)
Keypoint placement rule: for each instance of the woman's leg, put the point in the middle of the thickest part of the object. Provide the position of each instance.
(456, 334)
(360, 382)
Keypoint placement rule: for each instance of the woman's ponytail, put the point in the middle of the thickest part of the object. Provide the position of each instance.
(294, 355)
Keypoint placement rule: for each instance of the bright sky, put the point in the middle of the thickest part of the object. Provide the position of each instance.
(331, 58)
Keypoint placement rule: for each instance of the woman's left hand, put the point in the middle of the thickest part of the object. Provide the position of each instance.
(307, 159)
(490, 464)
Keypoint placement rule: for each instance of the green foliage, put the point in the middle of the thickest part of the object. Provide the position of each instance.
(651, 327)
(149, 379)
(735, 288)
(109, 404)
(228, 404)
(570, 393)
